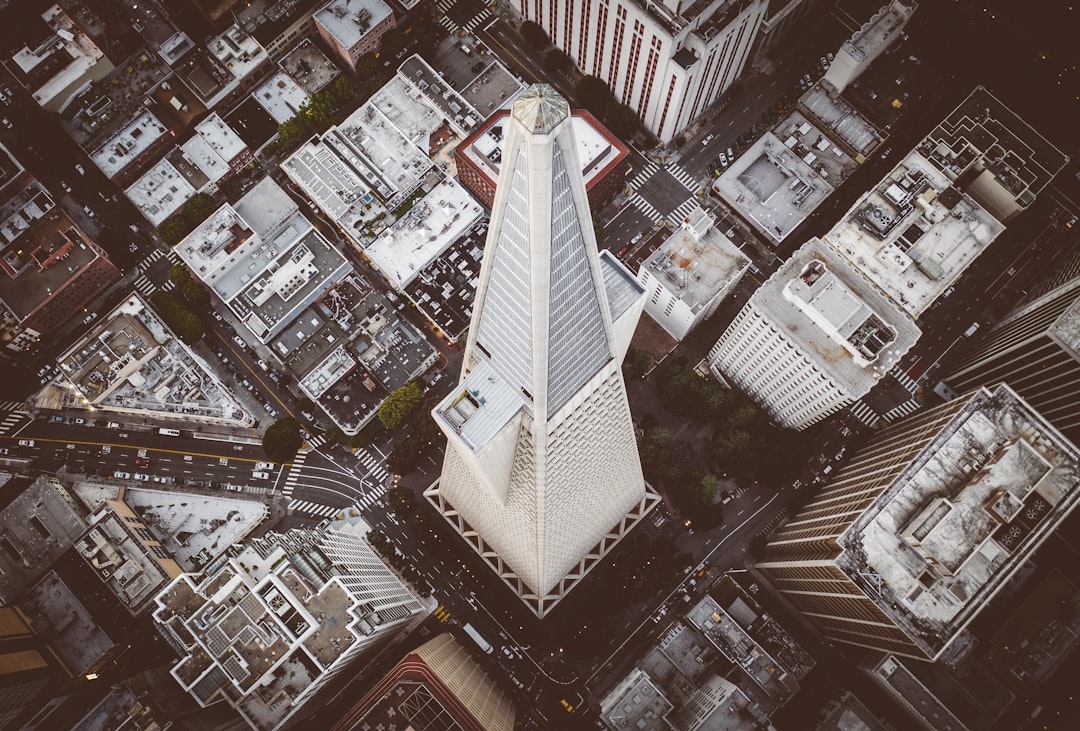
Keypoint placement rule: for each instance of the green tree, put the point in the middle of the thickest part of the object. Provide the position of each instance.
(635, 364)
(710, 486)
(392, 42)
(198, 209)
(342, 90)
(534, 35)
(622, 121)
(179, 274)
(195, 293)
(593, 94)
(557, 62)
(182, 321)
(366, 66)
(359, 440)
(400, 404)
(173, 229)
(282, 439)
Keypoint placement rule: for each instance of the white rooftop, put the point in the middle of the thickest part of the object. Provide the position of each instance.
(280, 96)
(160, 192)
(87, 61)
(787, 173)
(841, 120)
(963, 517)
(431, 225)
(838, 319)
(237, 51)
(914, 234)
(481, 406)
(696, 264)
(127, 143)
(408, 110)
(349, 20)
(221, 138)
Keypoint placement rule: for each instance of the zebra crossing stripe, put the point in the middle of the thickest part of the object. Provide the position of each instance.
(316, 509)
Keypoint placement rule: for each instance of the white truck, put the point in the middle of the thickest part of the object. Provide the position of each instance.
(478, 639)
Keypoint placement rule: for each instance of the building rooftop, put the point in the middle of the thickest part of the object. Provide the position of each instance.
(114, 100)
(787, 173)
(834, 116)
(424, 232)
(409, 111)
(598, 150)
(837, 318)
(78, 641)
(127, 143)
(309, 67)
(349, 20)
(39, 521)
(992, 154)
(254, 125)
(947, 534)
(444, 290)
(336, 187)
(57, 65)
(636, 703)
(914, 233)
(696, 266)
(44, 261)
(127, 558)
(160, 192)
(433, 89)
(131, 362)
(220, 137)
(849, 714)
(918, 699)
(280, 96)
(492, 87)
(481, 406)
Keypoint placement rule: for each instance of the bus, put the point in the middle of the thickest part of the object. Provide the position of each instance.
(169, 432)
(478, 639)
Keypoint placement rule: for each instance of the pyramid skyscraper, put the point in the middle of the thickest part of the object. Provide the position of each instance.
(541, 473)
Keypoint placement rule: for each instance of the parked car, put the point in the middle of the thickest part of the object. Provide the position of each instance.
(121, 475)
(264, 465)
(260, 475)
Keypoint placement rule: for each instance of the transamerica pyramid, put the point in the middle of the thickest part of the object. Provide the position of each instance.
(541, 472)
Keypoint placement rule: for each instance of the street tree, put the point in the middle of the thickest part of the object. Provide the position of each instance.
(400, 404)
(282, 440)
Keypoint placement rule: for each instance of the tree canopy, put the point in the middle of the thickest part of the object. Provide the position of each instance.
(534, 35)
(593, 94)
(400, 404)
(182, 321)
(282, 439)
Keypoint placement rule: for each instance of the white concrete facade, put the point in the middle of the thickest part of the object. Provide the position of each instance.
(668, 60)
(542, 473)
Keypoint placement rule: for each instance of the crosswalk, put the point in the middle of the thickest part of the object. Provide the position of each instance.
(11, 405)
(645, 207)
(294, 474)
(317, 441)
(899, 412)
(374, 465)
(154, 256)
(317, 509)
(444, 7)
(644, 174)
(676, 217)
(145, 287)
(688, 181)
(9, 421)
(865, 414)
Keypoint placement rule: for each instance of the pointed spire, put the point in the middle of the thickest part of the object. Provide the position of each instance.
(541, 108)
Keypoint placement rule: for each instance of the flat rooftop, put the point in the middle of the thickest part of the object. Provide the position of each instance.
(130, 362)
(160, 192)
(824, 306)
(636, 702)
(309, 67)
(78, 641)
(127, 143)
(950, 531)
(993, 154)
(338, 189)
(424, 232)
(787, 173)
(493, 86)
(24, 204)
(480, 407)
(348, 21)
(438, 94)
(56, 253)
(697, 267)
(840, 120)
(405, 107)
(57, 69)
(445, 289)
(914, 233)
(220, 137)
(280, 96)
(114, 100)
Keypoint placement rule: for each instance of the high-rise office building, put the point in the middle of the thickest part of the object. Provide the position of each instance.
(1036, 350)
(270, 624)
(908, 542)
(813, 339)
(668, 60)
(541, 473)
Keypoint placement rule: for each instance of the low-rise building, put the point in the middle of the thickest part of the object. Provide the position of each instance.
(125, 556)
(57, 59)
(688, 275)
(869, 42)
(130, 362)
(286, 613)
(352, 28)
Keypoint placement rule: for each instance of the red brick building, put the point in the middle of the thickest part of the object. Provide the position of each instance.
(604, 159)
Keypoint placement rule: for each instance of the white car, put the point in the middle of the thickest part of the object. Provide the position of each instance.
(260, 475)
(141, 477)
(80, 169)
(122, 475)
(264, 465)
(26, 442)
